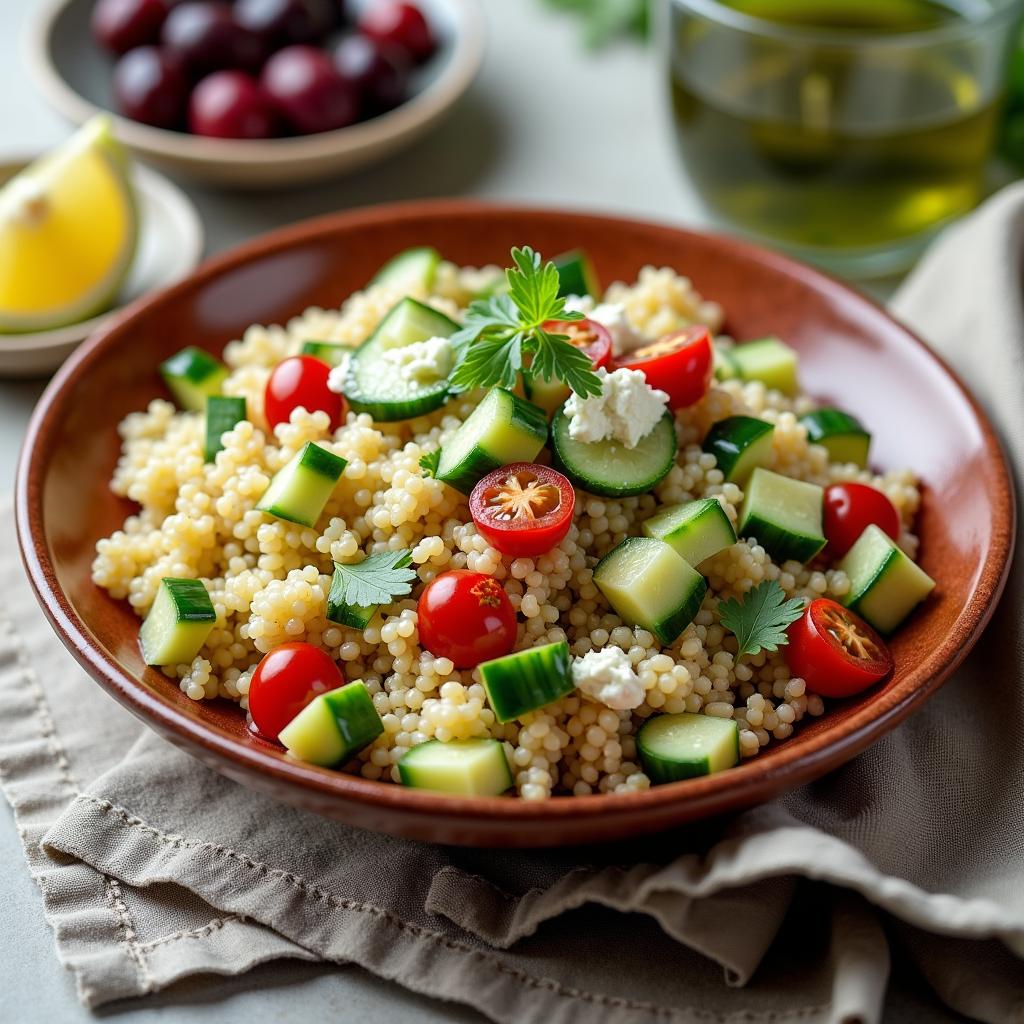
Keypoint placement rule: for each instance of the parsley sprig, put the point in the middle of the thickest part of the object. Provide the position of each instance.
(504, 336)
(431, 462)
(377, 579)
(760, 620)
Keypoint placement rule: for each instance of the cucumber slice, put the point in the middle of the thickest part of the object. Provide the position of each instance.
(611, 469)
(334, 727)
(358, 616)
(695, 530)
(502, 429)
(842, 436)
(576, 274)
(725, 367)
(649, 585)
(411, 270)
(178, 624)
(192, 375)
(526, 680)
(770, 361)
(684, 746)
(886, 585)
(300, 489)
(325, 351)
(476, 767)
(740, 444)
(784, 515)
(372, 386)
(223, 413)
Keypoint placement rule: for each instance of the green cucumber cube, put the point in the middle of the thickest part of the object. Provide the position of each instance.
(473, 767)
(301, 489)
(740, 444)
(784, 515)
(886, 585)
(770, 361)
(840, 434)
(223, 413)
(685, 746)
(410, 270)
(178, 624)
(696, 530)
(326, 351)
(576, 274)
(526, 680)
(192, 375)
(725, 367)
(334, 727)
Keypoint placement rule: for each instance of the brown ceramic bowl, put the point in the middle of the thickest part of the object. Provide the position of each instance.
(850, 352)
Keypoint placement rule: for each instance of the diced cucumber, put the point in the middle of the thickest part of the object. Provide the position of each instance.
(784, 515)
(223, 413)
(526, 680)
(649, 585)
(475, 767)
(325, 351)
(358, 616)
(684, 746)
(740, 444)
(178, 624)
(696, 530)
(725, 365)
(300, 489)
(370, 386)
(610, 468)
(411, 270)
(549, 395)
(886, 585)
(192, 375)
(840, 434)
(770, 361)
(334, 727)
(576, 274)
(500, 430)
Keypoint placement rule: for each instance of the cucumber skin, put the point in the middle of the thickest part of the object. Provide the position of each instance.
(661, 770)
(544, 673)
(388, 272)
(357, 718)
(576, 275)
(326, 351)
(223, 413)
(730, 438)
(680, 534)
(826, 426)
(192, 375)
(782, 545)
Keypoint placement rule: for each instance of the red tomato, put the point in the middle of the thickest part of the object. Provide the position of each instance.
(850, 509)
(835, 651)
(467, 617)
(523, 509)
(285, 681)
(301, 380)
(588, 335)
(680, 364)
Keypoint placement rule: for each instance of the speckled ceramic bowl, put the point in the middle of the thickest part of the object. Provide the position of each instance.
(851, 352)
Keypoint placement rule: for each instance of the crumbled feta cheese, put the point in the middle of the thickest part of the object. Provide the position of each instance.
(607, 675)
(625, 338)
(579, 304)
(336, 378)
(422, 361)
(627, 409)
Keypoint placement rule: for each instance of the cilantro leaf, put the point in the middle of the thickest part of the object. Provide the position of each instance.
(760, 620)
(430, 462)
(554, 357)
(377, 579)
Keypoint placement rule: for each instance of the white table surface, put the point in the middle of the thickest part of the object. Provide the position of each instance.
(504, 142)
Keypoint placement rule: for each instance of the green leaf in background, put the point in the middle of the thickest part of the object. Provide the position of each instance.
(604, 20)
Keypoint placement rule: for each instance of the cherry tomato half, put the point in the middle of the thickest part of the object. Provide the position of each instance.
(467, 617)
(835, 652)
(301, 380)
(849, 509)
(285, 681)
(680, 364)
(588, 335)
(523, 509)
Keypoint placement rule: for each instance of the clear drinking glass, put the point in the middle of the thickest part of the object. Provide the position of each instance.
(846, 131)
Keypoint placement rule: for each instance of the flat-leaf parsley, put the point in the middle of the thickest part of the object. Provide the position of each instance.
(760, 620)
(377, 579)
(430, 462)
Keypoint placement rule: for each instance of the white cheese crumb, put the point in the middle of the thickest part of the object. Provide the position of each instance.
(423, 361)
(627, 409)
(336, 378)
(607, 675)
(625, 338)
(579, 304)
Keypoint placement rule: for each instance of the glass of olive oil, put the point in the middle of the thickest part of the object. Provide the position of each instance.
(847, 131)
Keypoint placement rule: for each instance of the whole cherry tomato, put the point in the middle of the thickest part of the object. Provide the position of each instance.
(849, 509)
(301, 381)
(836, 652)
(680, 364)
(285, 681)
(466, 617)
(523, 509)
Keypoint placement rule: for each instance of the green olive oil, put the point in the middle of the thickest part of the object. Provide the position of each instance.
(849, 140)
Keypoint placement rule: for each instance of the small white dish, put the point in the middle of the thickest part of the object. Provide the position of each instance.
(74, 77)
(170, 245)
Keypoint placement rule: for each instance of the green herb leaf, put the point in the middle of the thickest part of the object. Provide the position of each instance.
(760, 620)
(377, 579)
(603, 20)
(554, 357)
(430, 462)
(493, 360)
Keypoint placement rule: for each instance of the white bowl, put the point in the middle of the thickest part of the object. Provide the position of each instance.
(170, 245)
(74, 77)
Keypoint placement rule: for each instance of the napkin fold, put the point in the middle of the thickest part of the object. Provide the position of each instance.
(153, 868)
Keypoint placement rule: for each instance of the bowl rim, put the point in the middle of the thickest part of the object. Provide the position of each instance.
(460, 68)
(746, 784)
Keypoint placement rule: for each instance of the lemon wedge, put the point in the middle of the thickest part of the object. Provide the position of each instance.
(68, 227)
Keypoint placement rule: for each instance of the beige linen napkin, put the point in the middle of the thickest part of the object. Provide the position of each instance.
(153, 868)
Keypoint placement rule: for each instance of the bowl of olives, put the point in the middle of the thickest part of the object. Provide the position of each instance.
(258, 93)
